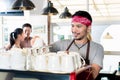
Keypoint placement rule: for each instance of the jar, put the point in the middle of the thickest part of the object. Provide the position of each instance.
(119, 66)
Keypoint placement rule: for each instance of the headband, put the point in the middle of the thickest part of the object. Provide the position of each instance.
(81, 20)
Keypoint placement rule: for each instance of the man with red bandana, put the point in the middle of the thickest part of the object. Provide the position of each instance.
(81, 27)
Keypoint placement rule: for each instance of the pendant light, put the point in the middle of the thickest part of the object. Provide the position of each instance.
(50, 9)
(108, 36)
(66, 14)
(23, 5)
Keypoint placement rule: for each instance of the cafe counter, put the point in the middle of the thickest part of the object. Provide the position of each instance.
(40, 75)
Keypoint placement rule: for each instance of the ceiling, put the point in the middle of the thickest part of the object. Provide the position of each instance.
(101, 10)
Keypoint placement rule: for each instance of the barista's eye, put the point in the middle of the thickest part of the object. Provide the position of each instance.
(72, 25)
(79, 26)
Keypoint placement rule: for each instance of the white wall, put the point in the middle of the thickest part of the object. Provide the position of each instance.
(110, 63)
(0, 31)
(96, 32)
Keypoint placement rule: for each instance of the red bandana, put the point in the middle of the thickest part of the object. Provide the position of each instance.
(81, 20)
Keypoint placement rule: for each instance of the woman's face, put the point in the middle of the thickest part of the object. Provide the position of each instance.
(22, 37)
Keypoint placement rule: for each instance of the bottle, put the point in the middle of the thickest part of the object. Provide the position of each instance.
(119, 66)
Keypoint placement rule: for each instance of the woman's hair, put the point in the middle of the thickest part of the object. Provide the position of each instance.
(27, 25)
(83, 14)
(14, 35)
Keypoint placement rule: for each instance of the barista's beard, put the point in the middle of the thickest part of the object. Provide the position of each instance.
(77, 38)
(80, 38)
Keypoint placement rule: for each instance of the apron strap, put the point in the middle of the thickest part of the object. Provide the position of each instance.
(87, 53)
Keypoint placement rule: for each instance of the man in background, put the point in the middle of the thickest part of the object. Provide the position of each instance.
(28, 41)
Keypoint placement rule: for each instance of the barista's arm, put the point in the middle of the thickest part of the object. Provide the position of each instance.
(96, 69)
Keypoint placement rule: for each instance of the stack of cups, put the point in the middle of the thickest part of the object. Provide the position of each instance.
(57, 62)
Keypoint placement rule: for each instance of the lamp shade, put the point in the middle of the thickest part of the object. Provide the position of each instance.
(23, 5)
(108, 36)
(50, 9)
(66, 14)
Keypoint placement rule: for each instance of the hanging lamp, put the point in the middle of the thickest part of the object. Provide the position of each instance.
(108, 36)
(50, 9)
(23, 5)
(65, 14)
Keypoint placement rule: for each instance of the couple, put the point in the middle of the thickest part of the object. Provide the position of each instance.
(20, 38)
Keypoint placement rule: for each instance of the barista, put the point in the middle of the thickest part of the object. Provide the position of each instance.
(81, 26)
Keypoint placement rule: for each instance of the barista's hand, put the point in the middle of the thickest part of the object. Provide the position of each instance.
(96, 69)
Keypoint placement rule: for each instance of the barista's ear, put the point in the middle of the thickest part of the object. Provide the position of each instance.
(89, 29)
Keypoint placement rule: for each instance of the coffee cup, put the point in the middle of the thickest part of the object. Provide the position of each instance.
(67, 63)
(54, 62)
(5, 60)
(40, 63)
(17, 59)
(78, 60)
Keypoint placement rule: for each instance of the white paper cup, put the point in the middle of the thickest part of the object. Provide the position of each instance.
(4, 60)
(17, 60)
(40, 62)
(67, 63)
(54, 62)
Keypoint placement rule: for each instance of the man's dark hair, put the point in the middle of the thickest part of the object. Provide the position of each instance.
(83, 14)
(27, 25)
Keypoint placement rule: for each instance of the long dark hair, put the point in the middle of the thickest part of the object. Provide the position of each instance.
(14, 35)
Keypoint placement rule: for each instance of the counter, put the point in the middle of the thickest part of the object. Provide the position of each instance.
(43, 75)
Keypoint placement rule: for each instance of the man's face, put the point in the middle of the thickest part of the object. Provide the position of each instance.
(79, 31)
(27, 31)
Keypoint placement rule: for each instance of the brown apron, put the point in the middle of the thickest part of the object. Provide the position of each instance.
(87, 74)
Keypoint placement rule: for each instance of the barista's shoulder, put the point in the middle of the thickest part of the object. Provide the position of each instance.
(64, 41)
(96, 44)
